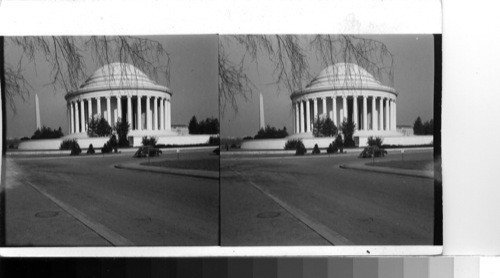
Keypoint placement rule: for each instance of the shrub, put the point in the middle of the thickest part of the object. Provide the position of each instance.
(332, 148)
(71, 144)
(149, 141)
(348, 128)
(248, 138)
(300, 148)
(208, 126)
(316, 149)
(67, 144)
(91, 149)
(375, 141)
(98, 127)
(271, 132)
(214, 141)
(372, 151)
(122, 129)
(339, 143)
(324, 127)
(111, 145)
(24, 138)
(47, 133)
(291, 144)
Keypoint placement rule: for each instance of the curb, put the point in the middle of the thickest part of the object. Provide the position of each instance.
(376, 169)
(172, 171)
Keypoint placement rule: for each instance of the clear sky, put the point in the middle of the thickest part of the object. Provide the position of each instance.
(193, 81)
(413, 80)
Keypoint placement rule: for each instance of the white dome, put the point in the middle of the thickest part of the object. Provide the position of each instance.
(118, 76)
(344, 76)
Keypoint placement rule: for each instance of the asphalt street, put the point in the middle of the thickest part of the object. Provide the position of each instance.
(85, 201)
(310, 200)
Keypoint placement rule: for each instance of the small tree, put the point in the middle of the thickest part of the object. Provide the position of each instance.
(375, 141)
(75, 148)
(428, 127)
(291, 144)
(300, 148)
(98, 127)
(316, 149)
(122, 129)
(91, 150)
(339, 143)
(332, 148)
(348, 128)
(193, 126)
(149, 141)
(418, 127)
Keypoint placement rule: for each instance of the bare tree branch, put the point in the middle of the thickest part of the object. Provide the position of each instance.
(287, 53)
(67, 58)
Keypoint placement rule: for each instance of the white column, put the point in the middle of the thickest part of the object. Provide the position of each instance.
(108, 110)
(315, 111)
(380, 114)
(82, 119)
(344, 108)
(308, 116)
(162, 114)
(167, 114)
(355, 112)
(374, 113)
(334, 110)
(77, 118)
(365, 114)
(302, 114)
(297, 117)
(148, 113)
(99, 111)
(72, 117)
(68, 117)
(155, 117)
(119, 104)
(139, 113)
(324, 106)
(89, 104)
(129, 112)
(394, 114)
(386, 114)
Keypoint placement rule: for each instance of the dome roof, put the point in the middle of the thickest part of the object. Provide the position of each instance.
(118, 76)
(344, 76)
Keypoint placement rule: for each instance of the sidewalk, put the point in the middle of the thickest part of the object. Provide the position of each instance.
(34, 219)
(172, 171)
(387, 170)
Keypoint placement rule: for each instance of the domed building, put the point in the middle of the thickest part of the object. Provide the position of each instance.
(346, 91)
(120, 91)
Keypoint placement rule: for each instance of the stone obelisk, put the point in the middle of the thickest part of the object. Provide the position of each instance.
(37, 113)
(262, 121)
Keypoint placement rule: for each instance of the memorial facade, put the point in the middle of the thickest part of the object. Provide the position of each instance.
(121, 91)
(346, 91)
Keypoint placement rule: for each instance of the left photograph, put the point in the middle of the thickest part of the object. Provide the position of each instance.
(111, 141)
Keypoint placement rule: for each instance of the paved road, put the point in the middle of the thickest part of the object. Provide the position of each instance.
(319, 203)
(98, 205)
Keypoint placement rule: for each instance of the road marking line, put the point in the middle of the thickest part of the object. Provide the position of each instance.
(325, 232)
(104, 232)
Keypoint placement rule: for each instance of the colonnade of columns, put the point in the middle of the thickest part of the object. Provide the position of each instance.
(382, 116)
(80, 111)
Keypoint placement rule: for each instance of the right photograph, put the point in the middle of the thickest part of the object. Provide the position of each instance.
(330, 140)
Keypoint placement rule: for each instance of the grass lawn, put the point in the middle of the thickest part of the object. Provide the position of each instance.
(207, 164)
(422, 165)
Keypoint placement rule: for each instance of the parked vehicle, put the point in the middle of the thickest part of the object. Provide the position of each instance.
(372, 151)
(147, 151)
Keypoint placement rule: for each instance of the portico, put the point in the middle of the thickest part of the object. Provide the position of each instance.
(121, 91)
(346, 92)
